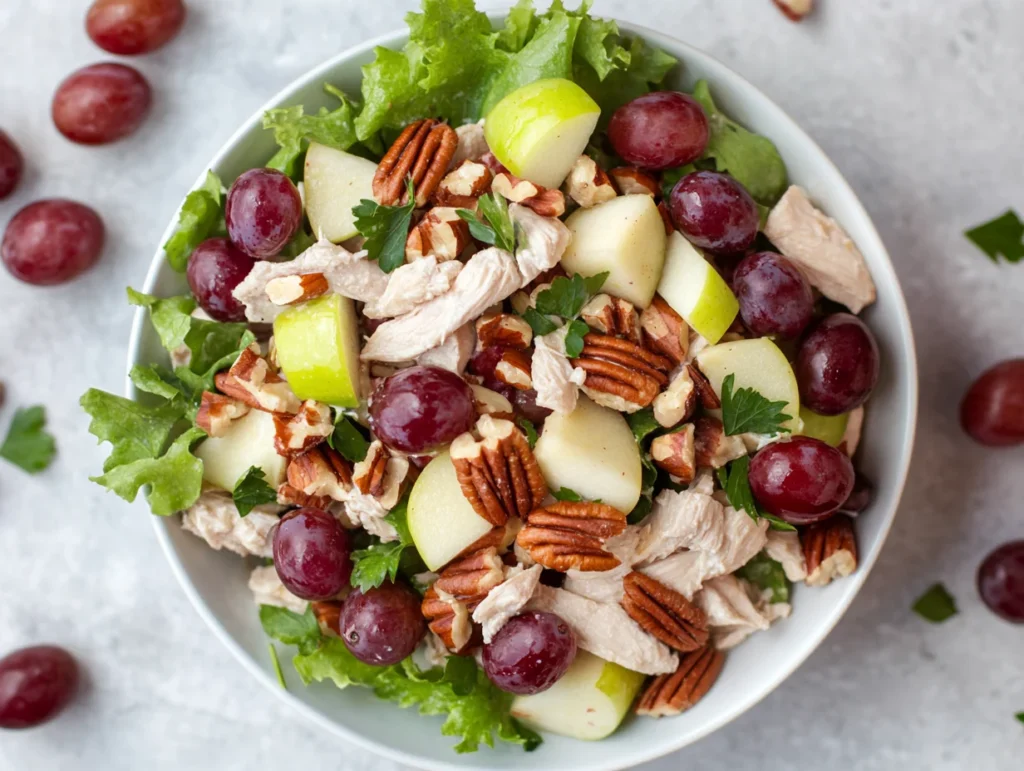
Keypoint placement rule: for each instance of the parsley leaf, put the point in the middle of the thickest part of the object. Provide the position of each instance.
(386, 229)
(935, 605)
(379, 562)
(746, 411)
(201, 216)
(1001, 237)
(251, 490)
(28, 445)
(277, 665)
(574, 338)
(567, 296)
(292, 128)
(642, 423)
(291, 628)
(1020, 716)
(565, 494)
(529, 429)
(497, 227)
(736, 484)
(541, 325)
(348, 440)
(766, 573)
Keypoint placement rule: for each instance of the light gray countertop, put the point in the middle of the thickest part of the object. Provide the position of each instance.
(919, 102)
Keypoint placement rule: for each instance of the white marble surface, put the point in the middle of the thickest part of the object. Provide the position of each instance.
(918, 102)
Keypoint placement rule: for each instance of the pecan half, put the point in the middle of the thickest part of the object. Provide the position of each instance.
(321, 472)
(504, 329)
(664, 613)
(498, 474)
(588, 184)
(310, 426)
(448, 618)
(547, 203)
(328, 616)
(422, 152)
(570, 535)
(621, 374)
(664, 331)
(253, 381)
(292, 496)
(675, 693)
(514, 368)
(288, 290)
(795, 10)
(713, 448)
(382, 475)
(631, 181)
(677, 402)
(708, 398)
(612, 316)
(830, 550)
(442, 233)
(675, 453)
(216, 413)
(463, 185)
(449, 603)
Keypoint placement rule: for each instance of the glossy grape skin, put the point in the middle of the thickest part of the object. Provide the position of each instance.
(714, 212)
(803, 480)
(35, 685)
(262, 213)
(524, 403)
(837, 365)
(384, 625)
(129, 27)
(861, 497)
(101, 103)
(530, 653)
(774, 296)
(659, 130)
(421, 409)
(1001, 581)
(312, 554)
(12, 164)
(215, 268)
(992, 411)
(485, 362)
(50, 242)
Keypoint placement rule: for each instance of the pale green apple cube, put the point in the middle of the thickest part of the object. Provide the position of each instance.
(695, 290)
(334, 182)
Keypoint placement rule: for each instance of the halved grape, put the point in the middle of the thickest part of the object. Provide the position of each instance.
(715, 212)
(101, 103)
(128, 27)
(803, 480)
(992, 411)
(35, 685)
(11, 165)
(312, 554)
(1001, 581)
(215, 268)
(659, 130)
(421, 409)
(384, 625)
(262, 213)
(530, 653)
(50, 242)
(774, 296)
(837, 365)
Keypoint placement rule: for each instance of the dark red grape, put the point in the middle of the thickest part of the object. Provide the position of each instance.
(384, 625)
(35, 685)
(263, 212)
(1001, 581)
(861, 497)
(803, 480)
(530, 653)
(775, 298)
(525, 404)
(421, 408)
(128, 27)
(837, 365)
(215, 268)
(312, 554)
(992, 411)
(485, 362)
(11, 165)
(50, 242)
(660, 130)
(101, 103)
(715, 212)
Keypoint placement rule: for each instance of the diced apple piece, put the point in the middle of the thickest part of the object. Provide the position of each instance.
(828, 428)
(318, 350)
(248, 442)
(592, 451)
(695, 290)
(335, 181)
(624, 236)
(539, 130)
(441, 521)
(588, 703)
(757, 364)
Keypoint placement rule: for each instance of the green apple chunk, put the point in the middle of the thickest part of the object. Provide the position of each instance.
(695, 290)
(249, 442)
(318, 350)
(588, 703)
(335, 181)
(592, 451)
(828, 428)
(441, 521)
(757, 364)
(624, 236)
(538, 131)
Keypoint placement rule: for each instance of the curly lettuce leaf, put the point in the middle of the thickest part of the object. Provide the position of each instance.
(201, 216)
(293, 130)
(642, 71)
(135, 431)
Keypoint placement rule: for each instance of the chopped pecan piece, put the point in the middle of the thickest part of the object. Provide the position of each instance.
(328, 616)
(830, 550)
(470, 578)
(251, 380)
(612, 316)
(675, 693)
(289, 290)
(449, 618)
(677, 402)
(216, 413)
(795, 10)
(292, 496)
(442, 233)
(631, 181)
(547, 203)
(708, 398)
(664, 613)
(504, 329)
(621, 374)
(675, 453)
(321, 472)
(714, 449)
(303, 431)
(491, 403)
(422, 151)
(588, 184)
(463, 185)
(514, 369)
(570, 535)
(382, 475)
(664, 331)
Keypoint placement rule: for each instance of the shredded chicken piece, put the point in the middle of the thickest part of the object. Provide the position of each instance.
(685, 520)
(433, 651)
(506, 599)
(735, 610)
(366, 512)
(542, 241)
(413, 284)
(784, 547)
(267, 589)
(472, 144)
(454, 353)
(606, 586)
(555, 380)
(215, 519)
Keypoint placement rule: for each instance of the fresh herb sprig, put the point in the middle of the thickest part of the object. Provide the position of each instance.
(565, 298)
(746, 411)
(766, 573)
(28, 444)
(379, 562)
(736, 484)
(348, 440)
(496, 227)
(386, 229)
(1001, 237)
(936, 604)
(252, 490)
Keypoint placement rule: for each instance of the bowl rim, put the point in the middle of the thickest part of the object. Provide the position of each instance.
(854, 583)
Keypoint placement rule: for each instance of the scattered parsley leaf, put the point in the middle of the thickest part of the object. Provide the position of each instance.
(201, 216)
(386, 229)
(746, 411)
(935, 605)
(541, 325)
(565, 494)
(736, 484)
(567, 296)
(277, 665)
(293, 129)
(529, 430)
(642, 423)
(574, 335)
(1001, 237)
(379, 562)
(1020, 716)
(766, 573)
(251, 490)
(291, 628)
(595, 283)
(496, 227)
(348, 440)
(28, 445)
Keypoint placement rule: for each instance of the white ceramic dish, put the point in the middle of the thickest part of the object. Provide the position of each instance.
(215, 582)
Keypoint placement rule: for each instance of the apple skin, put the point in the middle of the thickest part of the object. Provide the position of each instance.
(695, 290)
(249, 441)
(539, 130)
(828, 428)
(333, 183)
(318, 350)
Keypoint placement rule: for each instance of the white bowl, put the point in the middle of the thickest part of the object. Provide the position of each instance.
(215, 582)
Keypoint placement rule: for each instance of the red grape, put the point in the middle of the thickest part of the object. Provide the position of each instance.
(312, 554)
(992, 411)
(803, 480)
(101, 103)
(11, 165)
(35, 685)
(215, 268)
(530, 653)
(129, 27)
(837, 365)
(485, 362)
(263, 212)
(421, 408)
(659, 130)
(715, 212)
(384, 625)
(775, 298)
(1001, 581)
(50, 242)
(524, 403)
(861, 497)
